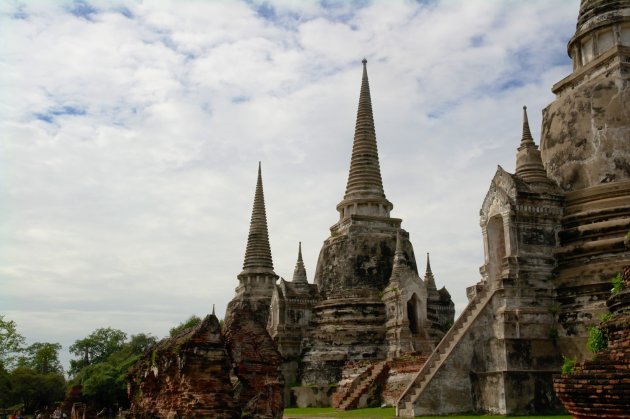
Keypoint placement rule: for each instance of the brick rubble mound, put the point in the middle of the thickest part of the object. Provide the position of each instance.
(186, 376)
(600, 388)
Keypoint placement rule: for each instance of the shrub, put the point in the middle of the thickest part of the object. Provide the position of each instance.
(568, 364)
(596, 339)
(605, 317)
(617, 283)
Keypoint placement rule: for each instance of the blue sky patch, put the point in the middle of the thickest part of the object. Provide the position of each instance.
(240, 99)
(45, 117)
(50, 116)
(511, 84)
(477, 40)
(20, 13)
(82, 10)
(426, 2)
(125, 12)
(266, 11)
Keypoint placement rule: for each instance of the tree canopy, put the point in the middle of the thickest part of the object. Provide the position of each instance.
(96, 347)
(32, 376)
(42, 357)
(104, 382)
(191, 322)
(11, 343)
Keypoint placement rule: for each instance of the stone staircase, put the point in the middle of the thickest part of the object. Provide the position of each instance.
(405, 405)
(349, 396)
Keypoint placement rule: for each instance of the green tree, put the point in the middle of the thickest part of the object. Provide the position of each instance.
(100, 385)
(104, 380)
(191, 322)
(11, 343)
(42, 357)
(141, 342)
(35, 390)
(96, 347)
(5, 388)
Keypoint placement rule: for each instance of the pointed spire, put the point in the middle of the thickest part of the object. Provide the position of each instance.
(258, 252)
(299, 273)
(400, 261)
(526, 139)
(529, 166)
(213, 309)
(365, 173)
(429, 280)
(364, 179)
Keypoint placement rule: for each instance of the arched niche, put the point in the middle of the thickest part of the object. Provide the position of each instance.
(414, 314)
(496, 247)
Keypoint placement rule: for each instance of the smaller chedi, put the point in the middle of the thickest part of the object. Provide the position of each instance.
(187, 375)
(207, 372)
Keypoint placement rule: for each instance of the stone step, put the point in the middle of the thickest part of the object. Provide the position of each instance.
(444, 348)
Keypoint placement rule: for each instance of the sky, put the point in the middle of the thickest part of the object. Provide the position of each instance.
(131, 131)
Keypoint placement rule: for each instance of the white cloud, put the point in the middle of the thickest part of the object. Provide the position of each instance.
(132, 132)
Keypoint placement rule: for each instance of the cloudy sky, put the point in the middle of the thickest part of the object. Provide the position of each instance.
(130, 135)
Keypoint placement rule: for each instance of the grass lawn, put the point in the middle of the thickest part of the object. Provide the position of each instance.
(378, 412)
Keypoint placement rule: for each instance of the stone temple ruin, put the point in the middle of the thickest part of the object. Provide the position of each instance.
(368, 302)
(371, 330)
(553, 237)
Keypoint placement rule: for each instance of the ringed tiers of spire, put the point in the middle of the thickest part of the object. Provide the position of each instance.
(299, 273)
(429, 279)
(364, 190)
(529, 166)
(258, 252)
(400, 261)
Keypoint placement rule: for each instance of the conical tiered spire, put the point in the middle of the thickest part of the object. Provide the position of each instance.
(258, 252)
(365, 173)
(529, 166)
(429, 280)
(365, 184)
(299, 273)
(526, 139)
(400, 261)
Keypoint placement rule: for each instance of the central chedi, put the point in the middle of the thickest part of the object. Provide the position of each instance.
(352, 321)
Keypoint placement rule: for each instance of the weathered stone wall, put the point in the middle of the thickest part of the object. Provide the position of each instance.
(358, 260)
(451, 389)
(290, 317)
(186, 376)
(490, 371)
(591, 252)
(346, 329)
(585, 134)
(349, 323)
